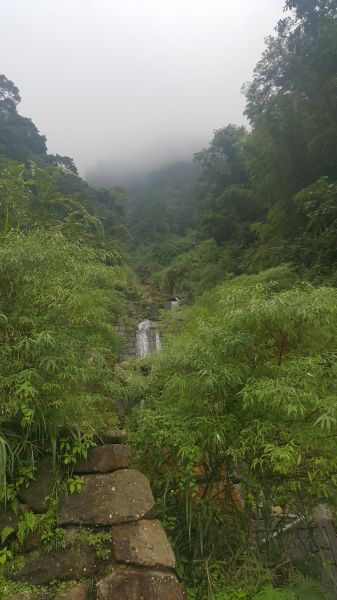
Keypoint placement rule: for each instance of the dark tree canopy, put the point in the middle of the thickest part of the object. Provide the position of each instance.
(9, 96)
(20, 139)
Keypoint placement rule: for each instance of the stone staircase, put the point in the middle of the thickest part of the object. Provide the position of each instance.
(111, 546)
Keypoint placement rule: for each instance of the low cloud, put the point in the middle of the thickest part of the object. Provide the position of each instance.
(129, 85)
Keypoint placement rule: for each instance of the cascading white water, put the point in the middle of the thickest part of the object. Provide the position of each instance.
(174, 301)
(158, 341)
(142, 338)
(147, 338)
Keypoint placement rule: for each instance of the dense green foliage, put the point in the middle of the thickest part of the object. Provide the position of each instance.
(260, 193)
(64, 286)
(244, 391)
(19, 137)
(246, 385)
(161, 217)
(58, 306)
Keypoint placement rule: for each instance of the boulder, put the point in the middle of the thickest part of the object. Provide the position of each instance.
(111, 436)
(142, 543)
(104, 459)
(80, 591)
(37, 493)
(32, 541)
(8, 518)
(140, 584)
(108, 499)
(73, 562)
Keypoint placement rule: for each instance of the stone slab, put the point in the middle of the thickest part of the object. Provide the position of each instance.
(80, 591)
(112, 436)
(142, 543)
(70, 563)
(8, 518)
(108, 499)
(37, 493)
(104, 459)
(140, 584)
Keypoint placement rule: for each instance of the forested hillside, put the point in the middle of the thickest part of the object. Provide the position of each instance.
(235, 419)
(64, 286)
(265, 194)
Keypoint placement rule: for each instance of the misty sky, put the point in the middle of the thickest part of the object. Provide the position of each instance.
(132, 83)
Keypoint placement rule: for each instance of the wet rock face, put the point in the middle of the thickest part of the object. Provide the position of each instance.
(140, 584)
(104, 459)
(74, 562)
(108, 499)
(142, 543)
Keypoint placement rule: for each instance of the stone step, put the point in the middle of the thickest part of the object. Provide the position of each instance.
(108, 499)
(140, 584)
(104, 459)
(138, 558)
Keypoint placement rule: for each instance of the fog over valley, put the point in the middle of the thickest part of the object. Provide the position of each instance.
(128, 86)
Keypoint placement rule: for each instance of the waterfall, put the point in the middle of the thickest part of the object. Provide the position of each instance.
(147, 338)
(174, 301)
(158, 341)
(142, 338)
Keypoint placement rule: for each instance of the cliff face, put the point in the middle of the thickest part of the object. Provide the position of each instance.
(110, 544)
